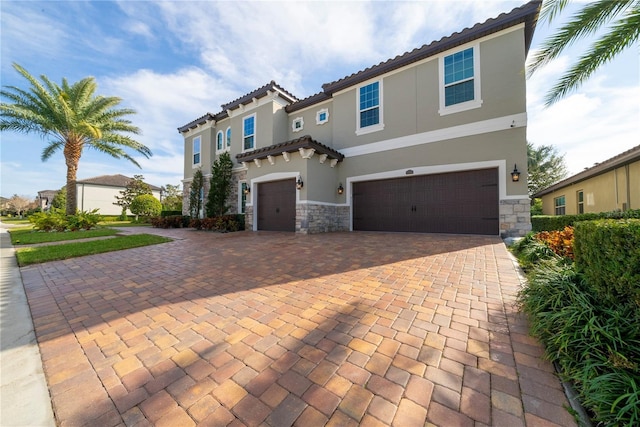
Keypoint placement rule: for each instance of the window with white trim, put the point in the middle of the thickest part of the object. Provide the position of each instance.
(219, 141)
(298, 124)
(242, 199)
(580, 198)
(196, 150)
(249, 132)
(322, 116)
(369, 100)
(229, 137)
(460, 81)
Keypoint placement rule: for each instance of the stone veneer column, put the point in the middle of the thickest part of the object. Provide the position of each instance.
(515, 217)
(313, 218)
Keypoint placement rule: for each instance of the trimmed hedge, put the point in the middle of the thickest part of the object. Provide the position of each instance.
(174, 221)
(607, 253)
(224, 223)
(559, 222)
(171, 213)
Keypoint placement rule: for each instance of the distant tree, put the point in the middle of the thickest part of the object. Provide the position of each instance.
(594, 16)
(196, 194)
(21, 204)
(135, 187)
(545, 167)
(172, 198)
(60, 199)
(220, 187)
(71, 117)
(145, 205)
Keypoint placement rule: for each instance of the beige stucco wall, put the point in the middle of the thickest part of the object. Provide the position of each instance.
(102, 198)
(616, 189)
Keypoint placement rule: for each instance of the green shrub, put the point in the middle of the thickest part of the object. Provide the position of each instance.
(596, 344)
(559, 222)
(145, 205)
(608, 254)
(170, 213)
(83, 220)
(55, 219)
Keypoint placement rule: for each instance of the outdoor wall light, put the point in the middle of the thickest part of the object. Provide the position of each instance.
(247, 189)
(299, 183)
(515, 174)
(340, 189)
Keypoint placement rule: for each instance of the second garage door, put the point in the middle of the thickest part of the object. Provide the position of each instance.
(277, 205)
(458, 202)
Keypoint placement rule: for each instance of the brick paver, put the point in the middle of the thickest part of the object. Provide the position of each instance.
(277, 329)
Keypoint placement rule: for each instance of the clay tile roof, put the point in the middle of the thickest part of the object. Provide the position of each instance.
(111, 181)
(243, 100)
(624, 158)
(527, 14)
(290, 147)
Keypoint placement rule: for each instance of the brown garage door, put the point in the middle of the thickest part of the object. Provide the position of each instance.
(277, 205)
(458, 202)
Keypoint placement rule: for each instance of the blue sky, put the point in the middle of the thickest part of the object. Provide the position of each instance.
(173, 61)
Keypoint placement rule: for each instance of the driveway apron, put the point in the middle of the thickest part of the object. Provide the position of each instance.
(279, 329)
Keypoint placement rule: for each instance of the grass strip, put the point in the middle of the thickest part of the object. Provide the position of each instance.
(32, 237)
(35, 255)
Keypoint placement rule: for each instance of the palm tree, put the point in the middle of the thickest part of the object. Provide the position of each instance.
(620, 34)
(69, 117)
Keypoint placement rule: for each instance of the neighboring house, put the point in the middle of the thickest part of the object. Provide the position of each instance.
(423, 142)
(100, 193)
(45, 197)
(608, 186)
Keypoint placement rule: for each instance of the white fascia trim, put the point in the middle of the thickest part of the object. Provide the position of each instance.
(501, 164)
(208, 125)
(461, 131)
(315, 202)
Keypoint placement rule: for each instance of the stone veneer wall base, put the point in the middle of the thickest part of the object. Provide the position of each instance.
(515, 217)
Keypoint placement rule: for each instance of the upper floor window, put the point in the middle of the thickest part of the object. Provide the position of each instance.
(298, 124)
(196, 150)
(459, 81)
(369, 108)
(219, 141)
(249, 132)
(559, 204)
(322, 116)
(228, 137)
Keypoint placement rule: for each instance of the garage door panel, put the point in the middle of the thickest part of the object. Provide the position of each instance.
(459, 202)
(277, 205)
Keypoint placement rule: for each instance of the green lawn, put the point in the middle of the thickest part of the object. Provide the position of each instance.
(32, 237)
(34, 255)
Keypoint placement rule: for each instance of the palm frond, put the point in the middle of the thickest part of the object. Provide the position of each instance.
(587, 21)
(622, 35)
(551, 8)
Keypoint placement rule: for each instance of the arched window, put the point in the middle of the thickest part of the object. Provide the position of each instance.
(228, 137)
(220, 141)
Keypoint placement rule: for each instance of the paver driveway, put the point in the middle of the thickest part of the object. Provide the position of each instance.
(280, 329)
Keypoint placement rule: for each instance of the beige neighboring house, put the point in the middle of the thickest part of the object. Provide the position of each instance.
(608, 186)
(100, 193)
(45, 197)
(424, 142)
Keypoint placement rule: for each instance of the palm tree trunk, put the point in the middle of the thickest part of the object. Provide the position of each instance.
(72, 153)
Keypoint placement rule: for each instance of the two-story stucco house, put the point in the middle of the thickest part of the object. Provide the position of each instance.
(424, 142)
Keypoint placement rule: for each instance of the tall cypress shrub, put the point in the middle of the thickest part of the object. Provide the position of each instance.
(220, 187)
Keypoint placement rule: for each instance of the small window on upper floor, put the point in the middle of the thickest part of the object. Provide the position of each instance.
(228, 137)
(298, 124)
(369, 118)
(322, 116)
(219, 141)
(249, 132)
(559, 205)
(460, 81)
(196, 150)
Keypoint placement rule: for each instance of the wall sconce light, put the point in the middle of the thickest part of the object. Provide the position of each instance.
(515, 175)
(340, 189)
(299, 183)
(247, 189)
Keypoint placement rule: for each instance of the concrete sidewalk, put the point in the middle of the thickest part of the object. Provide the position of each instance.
(24, 396)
